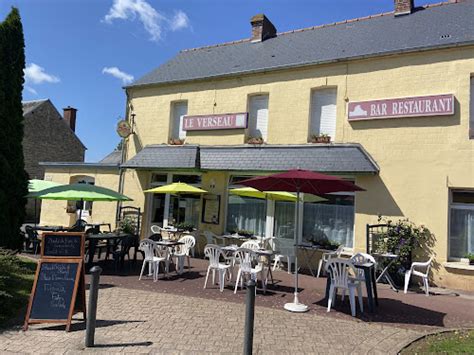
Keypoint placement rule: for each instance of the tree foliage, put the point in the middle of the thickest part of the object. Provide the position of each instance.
(13, 178)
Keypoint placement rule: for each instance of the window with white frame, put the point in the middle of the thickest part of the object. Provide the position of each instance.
(258, 116)
(323, 112)
(245, 213)
(461, 229)
(158, 200)
(178, 111)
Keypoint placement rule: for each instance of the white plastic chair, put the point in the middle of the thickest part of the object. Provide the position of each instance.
(214, 239)
(156, 229)
(250, 244)
(284, 249)
(182, 252)
(424, 275)
(149, 247)
(340, 273)
(244, 258)
(325, 257)
(214, 252)
(361, 258)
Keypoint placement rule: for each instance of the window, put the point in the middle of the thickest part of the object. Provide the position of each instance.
(284, 224)
(158, 200)
(323, 112)
(332, 219)
(82, 207)
(461, 231)
(258, 116)
(471, 109)
(245, 213)
(185, 208)
(178, 111)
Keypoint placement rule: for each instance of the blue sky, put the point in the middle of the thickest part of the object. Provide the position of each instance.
(81, 52)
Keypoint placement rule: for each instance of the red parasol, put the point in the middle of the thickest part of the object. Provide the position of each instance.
(300, 181)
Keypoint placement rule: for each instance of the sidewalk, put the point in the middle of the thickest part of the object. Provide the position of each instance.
(155, 322)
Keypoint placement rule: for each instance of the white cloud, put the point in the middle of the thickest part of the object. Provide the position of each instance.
(153, 21)
(179, 21)
(36, 75)
(117, 73)
(31, 90)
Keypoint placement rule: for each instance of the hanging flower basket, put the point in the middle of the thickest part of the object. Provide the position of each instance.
(323, 138)
(255, 140)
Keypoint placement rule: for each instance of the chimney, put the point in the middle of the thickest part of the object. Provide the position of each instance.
(404, 7)
(262, 28)
(70, 117)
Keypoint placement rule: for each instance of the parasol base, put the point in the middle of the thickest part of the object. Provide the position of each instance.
(296, 306)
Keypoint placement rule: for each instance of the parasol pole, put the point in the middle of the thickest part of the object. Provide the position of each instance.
(296, 306)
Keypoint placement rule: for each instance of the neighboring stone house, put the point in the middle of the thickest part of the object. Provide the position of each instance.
(48, 136)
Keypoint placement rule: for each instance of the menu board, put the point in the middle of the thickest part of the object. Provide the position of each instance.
(58, 283)
(62, 245)
(211, 209)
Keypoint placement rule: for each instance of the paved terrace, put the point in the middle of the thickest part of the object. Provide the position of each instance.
(176, 315)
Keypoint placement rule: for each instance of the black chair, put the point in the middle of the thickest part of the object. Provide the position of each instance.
(31, 239)
(123, 250)
(156, 237)
(78, 226)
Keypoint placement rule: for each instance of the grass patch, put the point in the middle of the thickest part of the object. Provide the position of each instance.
(16, 280)
(456, 342)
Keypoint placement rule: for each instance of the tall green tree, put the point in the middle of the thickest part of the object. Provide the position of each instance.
(13, 178)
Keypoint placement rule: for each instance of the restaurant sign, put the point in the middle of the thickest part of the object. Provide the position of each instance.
(435, 105)
(212, 122)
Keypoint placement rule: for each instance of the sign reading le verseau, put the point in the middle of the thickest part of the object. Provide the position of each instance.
(211, 122)
(435, 105)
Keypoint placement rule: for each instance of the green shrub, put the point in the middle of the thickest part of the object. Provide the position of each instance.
(16, 279)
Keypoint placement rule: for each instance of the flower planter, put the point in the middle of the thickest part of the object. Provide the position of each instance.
(176, 141)
(321, 140)
(255, 141)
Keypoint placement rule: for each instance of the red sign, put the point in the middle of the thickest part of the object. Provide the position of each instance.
(211, 122)
(436, 105)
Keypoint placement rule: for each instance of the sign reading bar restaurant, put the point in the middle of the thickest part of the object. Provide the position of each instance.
(435, 105)
(211, 122)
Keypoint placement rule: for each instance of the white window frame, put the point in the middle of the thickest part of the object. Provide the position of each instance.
(458, 206)
(313, 93)
(249, 106)
(181, 132)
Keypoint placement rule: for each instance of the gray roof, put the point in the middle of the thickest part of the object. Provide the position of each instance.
(29, 106)
(325, 158)
(113, 158)
(434, 26)
(165, 156)
(330, 158)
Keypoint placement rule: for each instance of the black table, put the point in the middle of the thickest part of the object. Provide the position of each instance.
(370, 284)
(93, 239)
(50, 228)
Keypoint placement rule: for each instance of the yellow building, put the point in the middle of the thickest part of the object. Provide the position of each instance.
(393, 92)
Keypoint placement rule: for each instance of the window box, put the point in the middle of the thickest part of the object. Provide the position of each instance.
(255, 140)
(323, 138)
(176, 141)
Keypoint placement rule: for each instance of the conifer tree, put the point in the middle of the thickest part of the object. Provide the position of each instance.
(13, 178)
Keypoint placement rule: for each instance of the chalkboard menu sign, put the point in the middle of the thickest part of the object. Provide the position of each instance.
(58, 291)
(62, 245)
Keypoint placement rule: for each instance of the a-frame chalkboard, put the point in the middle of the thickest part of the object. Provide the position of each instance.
(59, 287)
(58, 292)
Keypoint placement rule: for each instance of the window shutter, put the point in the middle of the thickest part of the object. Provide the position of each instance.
(258, 116)
(180, 109)
(323, 112)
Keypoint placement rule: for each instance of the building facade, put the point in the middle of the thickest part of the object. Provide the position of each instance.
(48, 136)
(389, 96)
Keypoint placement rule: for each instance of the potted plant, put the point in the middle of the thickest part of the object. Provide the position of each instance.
(127, 225)
(245, 233)
(176, 141)
(320, 138)
(470, 258)
(255, 140)
(185, 226)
